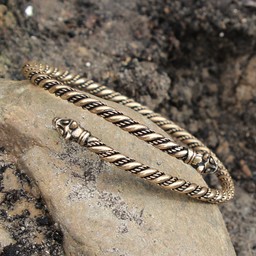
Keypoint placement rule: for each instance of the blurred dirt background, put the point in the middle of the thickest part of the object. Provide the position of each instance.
(192, 61)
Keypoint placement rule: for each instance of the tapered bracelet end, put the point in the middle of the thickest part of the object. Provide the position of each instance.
(71, 130)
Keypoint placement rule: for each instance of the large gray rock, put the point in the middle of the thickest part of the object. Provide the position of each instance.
(101, 209)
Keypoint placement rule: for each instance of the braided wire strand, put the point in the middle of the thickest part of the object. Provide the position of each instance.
(74, 132)
(63, 84)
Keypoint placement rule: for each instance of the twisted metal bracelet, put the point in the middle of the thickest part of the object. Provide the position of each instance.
(196, 154)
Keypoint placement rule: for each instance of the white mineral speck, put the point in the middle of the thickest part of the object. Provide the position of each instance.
(235, 11)
(88, 64)
(221, 34)
(29, 11)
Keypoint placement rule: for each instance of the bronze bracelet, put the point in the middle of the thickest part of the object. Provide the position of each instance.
(72, 88)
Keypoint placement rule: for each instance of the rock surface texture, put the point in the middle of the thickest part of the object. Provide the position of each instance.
(102, 210)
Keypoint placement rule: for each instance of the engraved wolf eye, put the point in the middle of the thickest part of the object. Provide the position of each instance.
(73, 125)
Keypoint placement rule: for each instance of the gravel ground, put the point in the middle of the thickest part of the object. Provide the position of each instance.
(192, 61)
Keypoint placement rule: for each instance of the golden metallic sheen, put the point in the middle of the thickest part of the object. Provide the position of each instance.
(72, 88)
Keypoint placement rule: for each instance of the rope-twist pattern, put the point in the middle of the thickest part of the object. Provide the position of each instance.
(196, 154)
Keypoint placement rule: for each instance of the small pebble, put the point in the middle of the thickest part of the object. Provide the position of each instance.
(250, 187)
(245, 168)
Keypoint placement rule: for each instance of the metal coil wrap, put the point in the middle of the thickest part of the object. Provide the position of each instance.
(72, 88)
